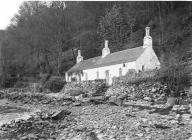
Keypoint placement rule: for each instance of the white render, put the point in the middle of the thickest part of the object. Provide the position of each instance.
(146, 61)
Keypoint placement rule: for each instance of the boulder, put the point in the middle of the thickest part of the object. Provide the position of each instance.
(115, 101)
(186, 117)
(97, 99)
(171, 101)
(75, 92)
(60, 114)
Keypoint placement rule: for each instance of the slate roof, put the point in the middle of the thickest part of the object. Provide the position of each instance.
(119, 57)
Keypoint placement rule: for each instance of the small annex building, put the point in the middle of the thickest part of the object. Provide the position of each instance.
(115, 64)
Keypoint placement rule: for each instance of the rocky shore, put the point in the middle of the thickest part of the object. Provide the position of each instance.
(122, 112)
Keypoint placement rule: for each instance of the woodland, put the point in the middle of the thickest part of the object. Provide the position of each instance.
(44, 37)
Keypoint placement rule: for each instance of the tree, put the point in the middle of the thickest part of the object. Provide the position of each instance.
(113, 28)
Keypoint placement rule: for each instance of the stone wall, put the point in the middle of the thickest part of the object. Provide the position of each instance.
(148, 90)
(89, 87)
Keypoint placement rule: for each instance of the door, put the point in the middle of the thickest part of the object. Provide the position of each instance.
(107, 77)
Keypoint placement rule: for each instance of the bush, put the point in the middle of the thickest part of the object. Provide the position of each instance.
(21, 84)
(54, 84)
(175, 73)
(132, 77)
(9, 82)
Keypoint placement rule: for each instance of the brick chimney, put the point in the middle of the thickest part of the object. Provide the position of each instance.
(106, 49)
(147, 41)
(79, 57)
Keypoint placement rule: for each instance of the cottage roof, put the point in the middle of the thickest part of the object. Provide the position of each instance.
(128, 55)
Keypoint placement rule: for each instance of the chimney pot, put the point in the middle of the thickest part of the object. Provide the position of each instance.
(106, 43)
(79, 52)
(79, 57)
(147, 31)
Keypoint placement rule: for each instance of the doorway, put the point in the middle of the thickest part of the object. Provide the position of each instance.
(107, 77)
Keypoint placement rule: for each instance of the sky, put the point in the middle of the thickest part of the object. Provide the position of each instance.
(8, 8)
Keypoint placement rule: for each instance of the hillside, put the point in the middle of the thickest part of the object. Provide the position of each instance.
(48, 38)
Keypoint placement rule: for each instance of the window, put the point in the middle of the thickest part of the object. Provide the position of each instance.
(86, 76)
(123, 65)
(120, 71)
(97, 75)
(142, 67)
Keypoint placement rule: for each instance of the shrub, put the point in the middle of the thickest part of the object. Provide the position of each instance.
(9, 82)
(35, 87)
(132, 77)
(54, 84)
(21, 84)
(175, 73)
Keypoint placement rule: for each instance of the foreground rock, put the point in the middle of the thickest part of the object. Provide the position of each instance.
(100, 122)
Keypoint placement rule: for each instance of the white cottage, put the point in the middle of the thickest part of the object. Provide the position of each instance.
(115, 64)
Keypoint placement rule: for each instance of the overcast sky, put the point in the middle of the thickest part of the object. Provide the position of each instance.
(7, 10)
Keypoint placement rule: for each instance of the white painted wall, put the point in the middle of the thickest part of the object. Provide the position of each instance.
(113, 71)
(148, 59)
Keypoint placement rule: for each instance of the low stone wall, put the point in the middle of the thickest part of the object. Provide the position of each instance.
(90, 87)
(147, 90)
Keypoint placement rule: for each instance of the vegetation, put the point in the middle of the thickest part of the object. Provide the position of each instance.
(54, 84)
(44, 36)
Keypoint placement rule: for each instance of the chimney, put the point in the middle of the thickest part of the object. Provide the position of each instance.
(106, 49)
(79, 57)
(147, 41)
(106, 43)
(147, 31)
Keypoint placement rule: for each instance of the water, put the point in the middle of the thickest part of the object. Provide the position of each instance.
(11, 109)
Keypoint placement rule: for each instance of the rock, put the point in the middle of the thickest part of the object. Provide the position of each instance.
(130, 115)
(190, 108)
(93, 136)
(97, 99)
(144, 120)
(161, 126)
(175, 107)
(80, 128)
(140, 135)
(75, 92)
(127, 138)
(186, 117)
(115, 101)
(147, 98)
(77, 104)
(184, 107)
(24, 138)
(148, 137)
(177, 116)
(66, 103)
(100, 136)
(170, 101)
(122, 96)
(60, 114)
(174, 121)
(153, 90)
